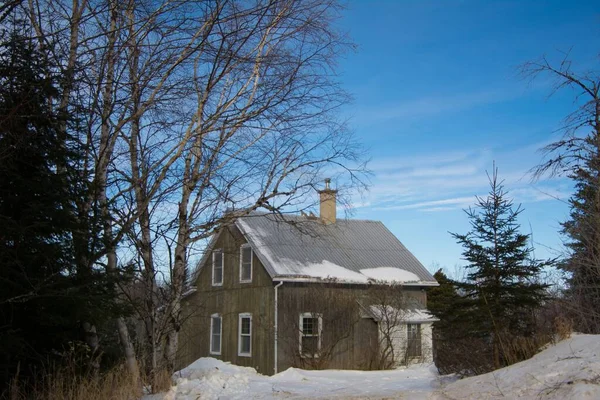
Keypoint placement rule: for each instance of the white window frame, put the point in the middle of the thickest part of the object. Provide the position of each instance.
(242, 247)
(222, 267)
(301, 333)
(212, 317)
(241, 316)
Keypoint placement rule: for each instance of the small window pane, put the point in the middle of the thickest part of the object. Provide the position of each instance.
(218, 258)
(246, 255)
(216, 325)
(310, 345)
(309, 326)
(218, 275)
(216, 344)
(245, 326)
(245, 345)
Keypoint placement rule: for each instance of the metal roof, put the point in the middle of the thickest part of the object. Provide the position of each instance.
(299, 247)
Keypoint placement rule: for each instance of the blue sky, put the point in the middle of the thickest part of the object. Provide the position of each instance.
(438, 99)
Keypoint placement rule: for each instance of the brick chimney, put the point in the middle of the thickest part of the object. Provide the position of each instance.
(328, 204)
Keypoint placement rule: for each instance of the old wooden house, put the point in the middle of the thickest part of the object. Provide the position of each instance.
(273, 292)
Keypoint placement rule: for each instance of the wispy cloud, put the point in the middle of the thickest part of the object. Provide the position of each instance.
(447, 182)
(430, 205)
(434, 104)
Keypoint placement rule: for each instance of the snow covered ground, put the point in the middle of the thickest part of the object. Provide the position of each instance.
(569, 370)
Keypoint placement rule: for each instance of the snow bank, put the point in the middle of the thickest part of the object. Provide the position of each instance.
(206, 365)
(208, 378)
(569, 370)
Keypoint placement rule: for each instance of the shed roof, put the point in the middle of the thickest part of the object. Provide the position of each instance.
(408, 315)
(348, 251)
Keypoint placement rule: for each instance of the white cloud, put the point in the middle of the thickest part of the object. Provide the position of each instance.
(447, 182)
(454, 202)
(433, 104)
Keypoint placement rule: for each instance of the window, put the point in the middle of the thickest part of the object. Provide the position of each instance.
(216, 329)
(246, 263)
(413, 340)
(245, 335)
(311, 326)
(217, 267)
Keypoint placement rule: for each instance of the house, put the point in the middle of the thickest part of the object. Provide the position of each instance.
(273, 292)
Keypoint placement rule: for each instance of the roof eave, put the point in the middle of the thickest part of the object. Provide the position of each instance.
(310, 279)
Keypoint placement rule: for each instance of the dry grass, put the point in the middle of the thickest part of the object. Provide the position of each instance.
(161, 381)
(64, 385)
(520, 348)
(563, 327)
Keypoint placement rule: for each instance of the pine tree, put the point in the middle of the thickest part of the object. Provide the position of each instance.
(576, 154)
(583, 239)
(501, 289)
(43, 296)
(441, 300)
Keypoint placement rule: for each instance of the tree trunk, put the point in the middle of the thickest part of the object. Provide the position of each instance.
(139, 180)
(107, 142)
(178, 279)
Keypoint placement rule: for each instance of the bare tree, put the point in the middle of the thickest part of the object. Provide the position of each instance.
(192, 109)
(259, 131)
(577, 155)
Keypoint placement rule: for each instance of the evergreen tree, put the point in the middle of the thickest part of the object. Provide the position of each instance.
(43, 296)
(442, 299)
(501, 291)
(442, 302)
(583, 239)
(577, 155)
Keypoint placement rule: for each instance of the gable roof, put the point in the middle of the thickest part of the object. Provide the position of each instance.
(349, 251)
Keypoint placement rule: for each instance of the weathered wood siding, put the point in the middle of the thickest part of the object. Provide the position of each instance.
(229, 300)
(349, 339)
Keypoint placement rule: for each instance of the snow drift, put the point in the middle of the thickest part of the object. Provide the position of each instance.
(568, 370)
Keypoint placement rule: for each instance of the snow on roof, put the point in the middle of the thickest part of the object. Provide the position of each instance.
(349, 251)
(379, 312)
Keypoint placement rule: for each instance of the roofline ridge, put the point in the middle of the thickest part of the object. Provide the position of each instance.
(295, 215)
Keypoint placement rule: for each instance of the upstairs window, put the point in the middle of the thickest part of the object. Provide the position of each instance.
(217, 267)
(311, 327)
(245, 335)
(216, 330)
(246, 263)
